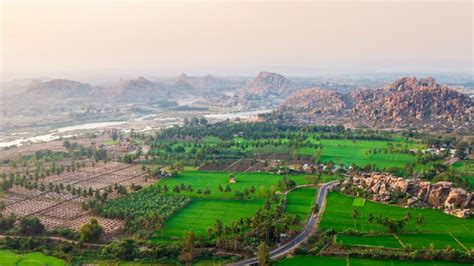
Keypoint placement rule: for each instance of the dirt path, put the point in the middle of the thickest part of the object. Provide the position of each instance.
(56, 238)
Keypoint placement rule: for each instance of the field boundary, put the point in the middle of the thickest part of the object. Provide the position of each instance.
(459, 242)
(399, 240)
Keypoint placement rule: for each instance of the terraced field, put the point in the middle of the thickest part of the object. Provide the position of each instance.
(203, 213)
(334, 261)
(437, 227)
(9, 258)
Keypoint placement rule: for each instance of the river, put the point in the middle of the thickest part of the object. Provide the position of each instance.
(58, 132)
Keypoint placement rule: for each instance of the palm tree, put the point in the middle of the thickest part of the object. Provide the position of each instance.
(354, 216)
(218, 227)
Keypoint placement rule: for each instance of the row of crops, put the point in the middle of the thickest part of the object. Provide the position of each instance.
(145, 209)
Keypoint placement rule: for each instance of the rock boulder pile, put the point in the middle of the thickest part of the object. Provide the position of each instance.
(418, 193)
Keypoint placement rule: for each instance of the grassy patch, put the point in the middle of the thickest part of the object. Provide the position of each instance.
(358, 202)
(203, 180)
(423, 241)
(436, 228)
(201, 214)
(338, 215)
(345, 151)
(387, 241)
(300, 201)
(466, 168)
(336, 261)
(9, 258)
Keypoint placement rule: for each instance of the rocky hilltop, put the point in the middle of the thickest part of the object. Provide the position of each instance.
(209, 82)
(137, 90)
(58, 89)
(413, 193)
(405, 103)
(269, 84)
(319, 101)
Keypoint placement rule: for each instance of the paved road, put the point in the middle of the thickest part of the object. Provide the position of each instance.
(309, 228)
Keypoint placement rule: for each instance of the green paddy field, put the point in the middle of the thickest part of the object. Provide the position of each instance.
(203, 213)
(202, 180)
(438, 228)
(9, 258)
(336, 261)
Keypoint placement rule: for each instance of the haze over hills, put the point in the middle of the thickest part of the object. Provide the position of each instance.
(407, 102)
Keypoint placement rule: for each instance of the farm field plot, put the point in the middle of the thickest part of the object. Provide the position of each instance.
(423, 241)
(300, 201)
(9, 258)
(466, 240)
(346, 151)
(143, 204)
(62, 208)
(201, 214)
(436, 228)
(335, 261)
(338, 215)
(388, 241)
(466, 168)
(203, 180)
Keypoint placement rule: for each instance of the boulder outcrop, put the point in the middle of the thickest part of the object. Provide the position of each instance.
(414, 192)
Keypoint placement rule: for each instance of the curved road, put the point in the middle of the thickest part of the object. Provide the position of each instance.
(309, 228)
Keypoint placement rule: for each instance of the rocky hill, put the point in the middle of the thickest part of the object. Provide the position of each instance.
(135, 90)
(442, 195)
(319, 101)
(405, 103)
(58, 89)
(210, 82)
(269, 84)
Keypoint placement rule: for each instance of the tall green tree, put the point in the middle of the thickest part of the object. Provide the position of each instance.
(263, 255)
(354, 216)
(91, 231)
(187, 248)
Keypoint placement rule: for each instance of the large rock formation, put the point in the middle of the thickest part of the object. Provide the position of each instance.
(407, 102)
(441, 195)
(268, 84)
(319, 101)
(58, 89)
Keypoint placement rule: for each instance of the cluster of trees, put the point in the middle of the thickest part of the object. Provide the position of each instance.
(266, 226)
(91, 231)
(286, 184)
(195, 121)
(266, 130)
(144, 211)
(187, 144)
(25, 226)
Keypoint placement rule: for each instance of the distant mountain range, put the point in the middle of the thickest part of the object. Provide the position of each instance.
(405, 103)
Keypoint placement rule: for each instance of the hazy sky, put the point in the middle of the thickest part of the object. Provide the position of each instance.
(236, 38)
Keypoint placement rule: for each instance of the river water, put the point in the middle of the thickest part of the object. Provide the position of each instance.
(57, 133)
